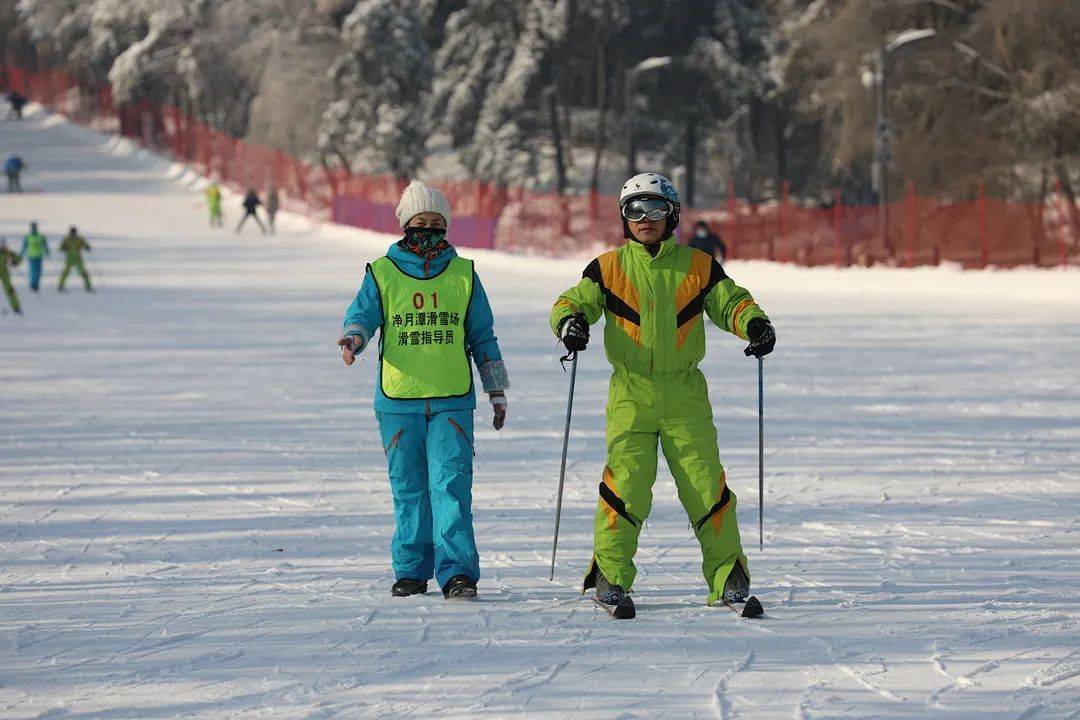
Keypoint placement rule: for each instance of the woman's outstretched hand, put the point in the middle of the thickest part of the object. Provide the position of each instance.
(350, 346)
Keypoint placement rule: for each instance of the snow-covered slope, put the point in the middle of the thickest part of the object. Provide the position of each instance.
(195, 518)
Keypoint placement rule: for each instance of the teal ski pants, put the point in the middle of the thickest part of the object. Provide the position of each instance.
(430, 462)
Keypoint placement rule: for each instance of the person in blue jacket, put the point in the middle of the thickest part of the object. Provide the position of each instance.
(432, 315)
(35, 249)
(13, 168)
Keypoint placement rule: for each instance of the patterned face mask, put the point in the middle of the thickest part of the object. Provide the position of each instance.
(425, 242)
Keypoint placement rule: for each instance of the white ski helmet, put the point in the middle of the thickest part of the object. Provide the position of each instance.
(650, 184)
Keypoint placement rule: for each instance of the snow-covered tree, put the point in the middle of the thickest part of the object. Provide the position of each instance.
(381, 83)
(509, 124)
(146, 68)
(493, 70)
(478, 47)
(758, 91)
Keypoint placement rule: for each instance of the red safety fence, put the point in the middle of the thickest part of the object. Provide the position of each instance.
(921, 231)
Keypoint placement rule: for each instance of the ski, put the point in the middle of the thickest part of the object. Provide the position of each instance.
(622, 611)
(750, 609)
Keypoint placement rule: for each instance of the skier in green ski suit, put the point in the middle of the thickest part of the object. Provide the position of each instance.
(8, 258)
(73, 246)
(213, 204)
(652, 293)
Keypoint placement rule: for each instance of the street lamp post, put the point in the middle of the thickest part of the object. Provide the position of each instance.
(632, 74)
(882, 130)
(882, 152)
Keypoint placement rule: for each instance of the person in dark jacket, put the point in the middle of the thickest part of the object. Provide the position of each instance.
(17, 101)
(708, 241)
(251, 206)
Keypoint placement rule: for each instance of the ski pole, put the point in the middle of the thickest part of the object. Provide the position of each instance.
(761, 451)
(93, 270)
(562, 471)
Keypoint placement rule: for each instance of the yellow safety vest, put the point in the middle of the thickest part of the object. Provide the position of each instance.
(422, 348)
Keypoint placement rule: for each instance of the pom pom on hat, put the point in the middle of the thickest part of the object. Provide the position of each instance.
(419, 198)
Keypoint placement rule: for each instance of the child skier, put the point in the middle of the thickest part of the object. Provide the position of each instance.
(432, 314)
(652, 292)
(8, 259)
(73, 246)
(213, 204)
(35, 248)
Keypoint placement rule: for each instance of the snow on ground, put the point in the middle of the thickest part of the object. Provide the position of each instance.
(195, 518)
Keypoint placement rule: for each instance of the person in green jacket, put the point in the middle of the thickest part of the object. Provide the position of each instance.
(652, 293)
(35, 249)
(73, 246)
(8, 258)
(213, 204)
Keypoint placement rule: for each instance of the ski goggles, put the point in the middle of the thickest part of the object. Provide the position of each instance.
(646, 208)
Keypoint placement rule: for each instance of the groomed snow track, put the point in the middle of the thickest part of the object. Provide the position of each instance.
(195, 517)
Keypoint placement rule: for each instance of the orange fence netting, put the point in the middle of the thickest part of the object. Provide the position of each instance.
(921, 231)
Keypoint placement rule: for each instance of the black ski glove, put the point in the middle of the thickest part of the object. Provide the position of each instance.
(762, 337)
(574, 333)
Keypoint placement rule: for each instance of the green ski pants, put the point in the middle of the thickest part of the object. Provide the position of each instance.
(77, 264)
(12, 298)
(674, 410)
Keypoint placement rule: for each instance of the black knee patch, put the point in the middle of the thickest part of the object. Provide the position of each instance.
(725, 498)
(615, 503)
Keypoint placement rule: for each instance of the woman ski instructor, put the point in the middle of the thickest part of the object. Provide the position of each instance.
(652, 293)
(432, 314)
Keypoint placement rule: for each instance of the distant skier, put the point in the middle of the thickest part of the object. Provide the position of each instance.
(73, 246)
(432, 314)
(17, 101)
(251, 205)
(13, 168)
(652, 293)
(273, 203)
(707, 241)
(8, 259)
(213, 204)
(35, 249)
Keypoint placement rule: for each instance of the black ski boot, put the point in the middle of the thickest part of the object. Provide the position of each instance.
(407, 586)
(613, 598)
(737, 593)
(459, 587)
(737, 586)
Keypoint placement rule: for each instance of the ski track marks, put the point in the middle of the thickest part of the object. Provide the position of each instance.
(196, 519)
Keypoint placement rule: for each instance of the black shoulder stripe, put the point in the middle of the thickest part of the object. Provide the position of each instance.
(592, 272)
(716, 276)
(613, 302)
(695, 306)
(620, 308)
(691, 311)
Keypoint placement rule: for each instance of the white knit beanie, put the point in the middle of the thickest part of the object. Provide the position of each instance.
(419, 198)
